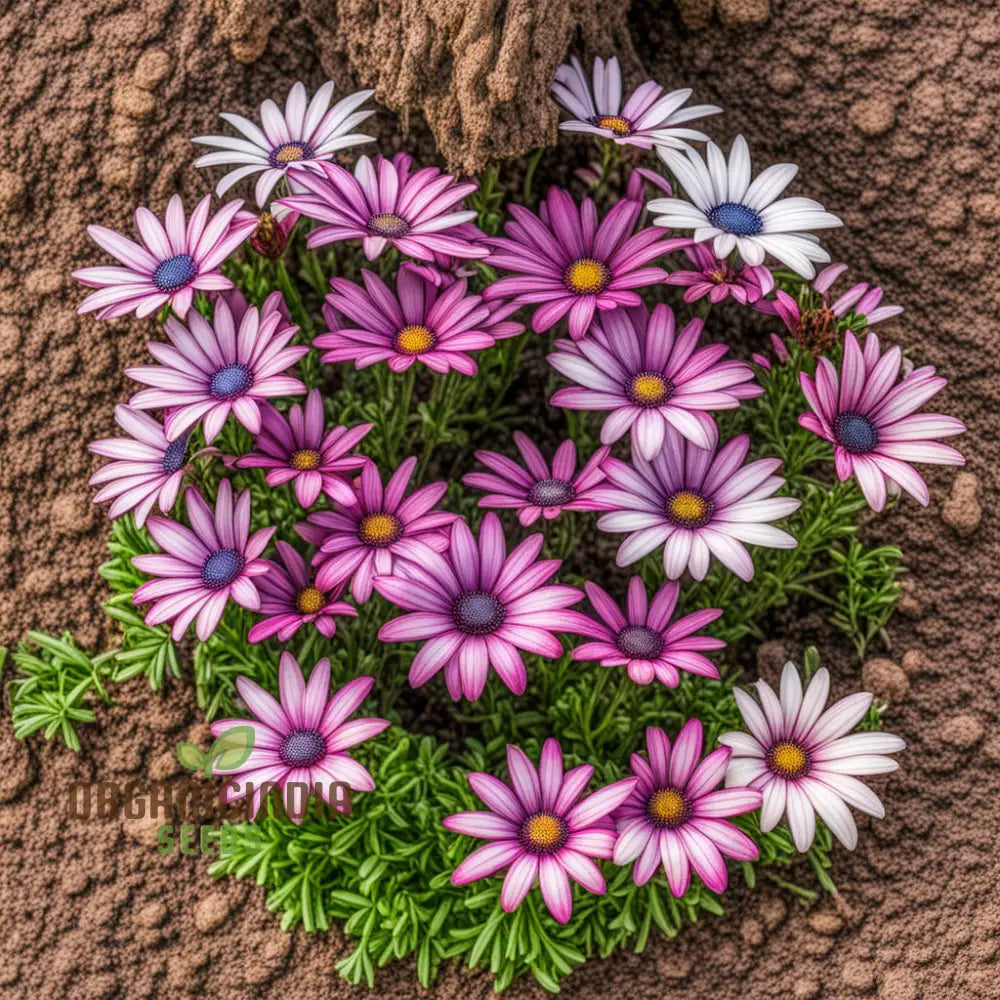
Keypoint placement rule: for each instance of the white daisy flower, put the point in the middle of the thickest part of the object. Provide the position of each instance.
(649, 116)
(799, 757)
(307, 133)
(727, 208)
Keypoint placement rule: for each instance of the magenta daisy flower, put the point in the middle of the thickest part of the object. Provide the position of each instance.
(696, 504)
(674, 817)
(299, 742)
(208, 371)
(633, 364)
(299, 450)
(382, 203)
(872, 423)
(566, 262)
(147, 468)
(476, 607)
(538, 490)
(289, 599)
(173, 262)
(643, 640)
(718, 279)
(648, 117)
(801, 759)
(363, 540)
(540, 830)
(421, 322)
(201, 567)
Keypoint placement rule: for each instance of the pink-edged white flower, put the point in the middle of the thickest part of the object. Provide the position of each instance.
(289, 599)
(383, 204)
(801, 759)
(366, 539)
(676, 817)
(300, 740)
(723, 205)
(718, 279)
(286, 144)
(871, 419)
(633, 364)
(644, 640)
(538, 490)
(696, 504)
(476, 607)
(173, 262)
(209, 370)
(300, 450)
(147, 468)
(540, 830)
(648, 117)
(203, 566)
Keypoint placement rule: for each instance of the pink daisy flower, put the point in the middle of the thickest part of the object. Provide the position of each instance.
(208, 371)
(300, 740)
(148, 469)
(366, 539)
(802, 761)
(674, 817)
(289, 599)
(872, 423)
(421, 322)
(696, 504)
(633, 364)
(382, 203)
(299, 450)
(203, 566)
(173, 262)
(648, 117)
(476, 607)
(540, 830)
(643, 640)
(568, 263)
(718, 279)
(538, 490)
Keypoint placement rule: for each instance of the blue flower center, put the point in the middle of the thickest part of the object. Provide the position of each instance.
(855, 433)
(290, 152)
(551, 493)
(231, 381)
(639, 642)
(173, 457)
(478, 613)
(302, 748)
(174, 272)
(221, 568)
(732, 217)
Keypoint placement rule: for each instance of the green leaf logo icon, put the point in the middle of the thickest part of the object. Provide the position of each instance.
(190, 756)
(231, 749)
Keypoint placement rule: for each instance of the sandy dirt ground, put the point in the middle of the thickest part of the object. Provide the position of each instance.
(890, 108)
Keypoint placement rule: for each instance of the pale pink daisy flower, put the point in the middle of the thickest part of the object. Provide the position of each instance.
(718, 279)
(802, 760)
(540, 830)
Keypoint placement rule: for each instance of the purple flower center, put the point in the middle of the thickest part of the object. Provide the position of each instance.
(543, 833)
(173, 457)
(221, 568)
(174, 272)
(688, 509)
(478, 613)
(649, 389)
(787, 759)
(739, 220)
(855, 433)
(668, 808)
(302, 748)
(231, 380)
(387, 224)
(639, 642)
(290, 152)
(551, 493)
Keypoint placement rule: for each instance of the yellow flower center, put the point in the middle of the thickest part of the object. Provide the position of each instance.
(309, 600)
(615, 124)
(667, 807)
(380, 530)
(304, 460)
(649, 389)
(787, 759)
(587, 276)
(688, 510)
(290, 153)
(414, 339)
(543, 833)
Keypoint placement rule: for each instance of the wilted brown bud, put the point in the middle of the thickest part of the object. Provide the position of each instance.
(269, 238)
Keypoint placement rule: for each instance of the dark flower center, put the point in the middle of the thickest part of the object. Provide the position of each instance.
(387, 224)
(290, 152)
(787, 759)
(302, 748)
(649, 389)
(305, 459)
(543, 833)
(174, 272)
(231, 381)
(739, 220)
(309, 601)
(221, 568)
(667, 808)
(478, 613)
(551, 493)
(640, 642)
(414, 339)
(687, 509)
(615, 124)
(379, 530)
(587, 276)
(173, 457)
(856, 433)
